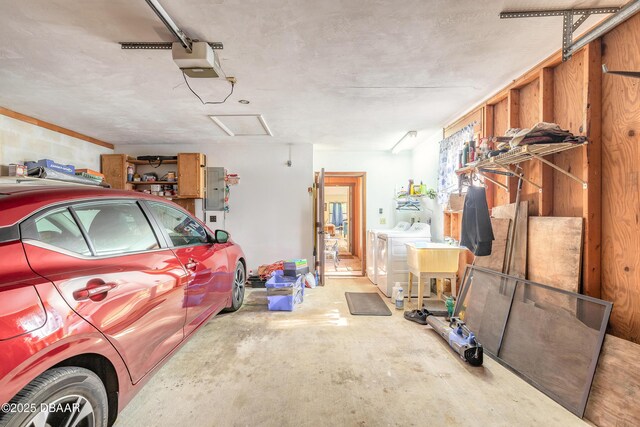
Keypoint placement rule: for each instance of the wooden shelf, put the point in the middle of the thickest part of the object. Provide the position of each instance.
(152, 182)
(189, 182)
(501, 163)
(464, 170)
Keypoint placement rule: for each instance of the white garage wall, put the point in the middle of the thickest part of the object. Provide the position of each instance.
(424, 166)
(270, 210)
(21, 141)
(386, 173)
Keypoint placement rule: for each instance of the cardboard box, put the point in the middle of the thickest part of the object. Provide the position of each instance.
(17, 170)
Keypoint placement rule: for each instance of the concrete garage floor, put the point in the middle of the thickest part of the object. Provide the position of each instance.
(319, 365)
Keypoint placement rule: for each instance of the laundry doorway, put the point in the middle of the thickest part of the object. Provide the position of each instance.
(344, 207)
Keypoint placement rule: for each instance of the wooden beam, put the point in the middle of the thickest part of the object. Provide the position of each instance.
(513, 121)
(513, 108)
(545, 205)
(592, 173)
(487, 131)
(51, 126)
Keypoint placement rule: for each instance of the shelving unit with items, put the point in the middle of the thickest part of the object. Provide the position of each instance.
(181, 179)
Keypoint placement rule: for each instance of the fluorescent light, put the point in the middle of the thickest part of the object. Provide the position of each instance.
(399, 145)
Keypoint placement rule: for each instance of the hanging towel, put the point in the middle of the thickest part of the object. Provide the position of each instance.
(338, 209)
(332, 206)
(477, 234)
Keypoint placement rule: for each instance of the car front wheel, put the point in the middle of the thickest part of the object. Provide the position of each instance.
(237, 288)
(66, 396)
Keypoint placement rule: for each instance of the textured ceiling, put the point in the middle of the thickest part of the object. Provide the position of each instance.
(342, 74)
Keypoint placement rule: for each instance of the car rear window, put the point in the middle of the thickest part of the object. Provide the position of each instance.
(57, 228)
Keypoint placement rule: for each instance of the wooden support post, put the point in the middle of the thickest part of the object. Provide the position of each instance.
(545, 205)
(591, 203)
(513, 117)
(487, 131)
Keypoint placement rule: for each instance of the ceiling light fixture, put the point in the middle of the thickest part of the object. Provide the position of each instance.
(399, 145)
(243, 101)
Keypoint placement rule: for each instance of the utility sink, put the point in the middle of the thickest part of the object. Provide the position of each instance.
(433, 257)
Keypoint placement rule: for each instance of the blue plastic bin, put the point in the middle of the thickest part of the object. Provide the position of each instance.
(48, 163)
(284, 292)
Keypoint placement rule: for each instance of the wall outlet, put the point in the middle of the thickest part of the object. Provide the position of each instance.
(383, 221)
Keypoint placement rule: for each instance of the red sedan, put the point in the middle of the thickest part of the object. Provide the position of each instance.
(97, 289)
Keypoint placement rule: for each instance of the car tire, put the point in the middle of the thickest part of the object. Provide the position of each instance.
(237, 288)
(58, 397)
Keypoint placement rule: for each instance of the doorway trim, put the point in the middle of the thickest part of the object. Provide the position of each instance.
(356, 179)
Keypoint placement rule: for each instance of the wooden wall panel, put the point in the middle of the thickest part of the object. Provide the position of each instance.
(527, 118)
(529, 104)
(500, 126)
(621, 180)
(546, 114)
(500, 118)
(568, 113)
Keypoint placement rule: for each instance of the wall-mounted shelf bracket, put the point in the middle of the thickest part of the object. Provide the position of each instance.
(559, 169)
(635, 74)
(499, 184)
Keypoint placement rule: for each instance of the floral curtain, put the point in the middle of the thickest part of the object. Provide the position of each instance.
(449, 157)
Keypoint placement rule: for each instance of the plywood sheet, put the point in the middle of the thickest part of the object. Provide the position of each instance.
(615, 392)
(620, 180)
(518, 265)
(554, 252)
(495, 261)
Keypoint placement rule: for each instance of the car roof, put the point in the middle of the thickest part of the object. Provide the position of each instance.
(19, 201)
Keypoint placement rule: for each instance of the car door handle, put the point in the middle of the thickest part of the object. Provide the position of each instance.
(93, 292)
(192, 264)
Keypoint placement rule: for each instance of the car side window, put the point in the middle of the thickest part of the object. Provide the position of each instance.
(116, 227)
(57, 228)
(182, 229)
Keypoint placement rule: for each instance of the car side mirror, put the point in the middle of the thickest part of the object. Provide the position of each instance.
(221, 236)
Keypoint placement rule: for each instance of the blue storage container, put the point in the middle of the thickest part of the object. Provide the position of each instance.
(48, 163)
(284, 292)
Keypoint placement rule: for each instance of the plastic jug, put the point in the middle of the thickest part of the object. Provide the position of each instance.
(400, 300)
(394, 292)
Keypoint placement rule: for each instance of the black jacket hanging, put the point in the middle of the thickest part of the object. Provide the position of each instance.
(477, 234)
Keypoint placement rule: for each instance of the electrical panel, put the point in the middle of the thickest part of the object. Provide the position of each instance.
(216, 190)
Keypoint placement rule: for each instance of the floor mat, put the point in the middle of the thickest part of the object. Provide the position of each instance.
(366, 304)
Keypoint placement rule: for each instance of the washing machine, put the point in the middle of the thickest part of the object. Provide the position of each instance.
(372, 236)
(391, 257)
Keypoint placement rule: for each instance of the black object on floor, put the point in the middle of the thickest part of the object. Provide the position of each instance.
(366, 304)
(418, 316)
(256, 282)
